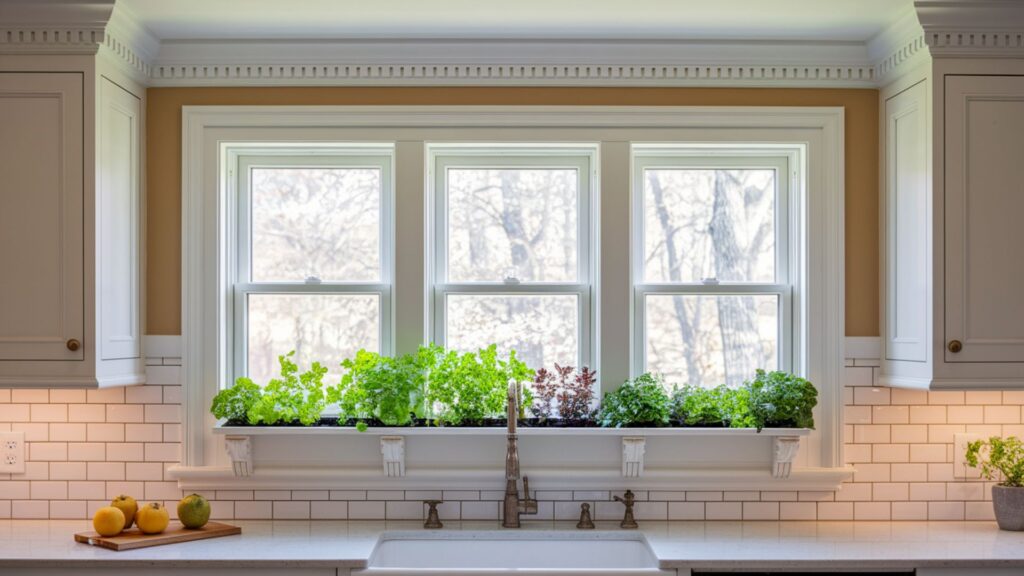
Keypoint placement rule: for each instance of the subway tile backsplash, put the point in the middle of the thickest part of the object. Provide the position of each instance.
(85, 447)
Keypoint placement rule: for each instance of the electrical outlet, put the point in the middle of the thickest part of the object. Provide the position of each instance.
(960, 467)
(12, 452)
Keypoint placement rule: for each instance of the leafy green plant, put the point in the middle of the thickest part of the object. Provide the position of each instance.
(389, 389)
(997, 456)
(641, 401)
(782, 400)
(719, 406)
(469, 387)
(293, 397)
(233, 404)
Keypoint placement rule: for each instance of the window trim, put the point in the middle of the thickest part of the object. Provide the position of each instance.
(788, 161)
(441, 158)
(240, 162)
(820, 129)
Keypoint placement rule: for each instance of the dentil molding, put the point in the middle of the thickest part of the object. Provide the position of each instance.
(934, 28)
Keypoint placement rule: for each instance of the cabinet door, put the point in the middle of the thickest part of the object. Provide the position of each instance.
(41, 227)
(906, 220)
(117, 225)
(984, 218)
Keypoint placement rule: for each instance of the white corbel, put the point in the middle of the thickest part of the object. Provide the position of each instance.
(240, 451)
(784, 449)
(633, 448)
(392, 448)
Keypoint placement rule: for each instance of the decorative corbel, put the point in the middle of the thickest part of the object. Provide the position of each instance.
(392, 448)
(633, 448)
(784, 449)
(240, 451)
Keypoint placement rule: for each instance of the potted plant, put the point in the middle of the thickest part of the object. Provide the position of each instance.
(295, 397)
(1002, 457)
(781, 400)
(712, 407)
(572, 389)
(642, 401)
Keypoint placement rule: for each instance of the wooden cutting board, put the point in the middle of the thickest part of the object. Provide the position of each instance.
(133, 538)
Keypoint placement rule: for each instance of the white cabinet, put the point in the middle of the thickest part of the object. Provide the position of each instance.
(70, 240)
(953, 226)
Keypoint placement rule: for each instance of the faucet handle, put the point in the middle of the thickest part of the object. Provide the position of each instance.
(433, 520)
(526, 487)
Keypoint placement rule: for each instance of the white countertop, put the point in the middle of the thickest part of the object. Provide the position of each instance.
(699, 545)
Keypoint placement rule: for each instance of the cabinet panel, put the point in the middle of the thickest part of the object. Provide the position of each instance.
(117, 216)
(907, 212)
(984, 204)
(41, 226)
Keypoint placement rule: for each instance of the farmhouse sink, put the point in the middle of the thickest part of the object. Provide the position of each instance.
(487, 553)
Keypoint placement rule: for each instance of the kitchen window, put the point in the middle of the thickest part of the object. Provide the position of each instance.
(712, 289)
(535, 228)
(512, 249)
(312, 273)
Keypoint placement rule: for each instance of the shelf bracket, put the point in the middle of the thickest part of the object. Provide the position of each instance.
(392, 448)
(633, 448)
(784, 449)
(240, 451)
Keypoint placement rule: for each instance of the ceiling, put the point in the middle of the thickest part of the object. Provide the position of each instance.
(812, 20)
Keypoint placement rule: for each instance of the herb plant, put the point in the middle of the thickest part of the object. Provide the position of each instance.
(389, 389)
(574, 391)
(233, 404)
(293, 397)
(782, 400)
(997, 456)
(641, 401)
(470, 387)
(719, 406)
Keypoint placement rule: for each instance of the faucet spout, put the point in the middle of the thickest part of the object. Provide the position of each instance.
(513, 504)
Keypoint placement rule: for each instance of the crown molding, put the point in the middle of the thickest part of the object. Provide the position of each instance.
(512, 62)
(933, 28)
(972, 28)
(898, 49)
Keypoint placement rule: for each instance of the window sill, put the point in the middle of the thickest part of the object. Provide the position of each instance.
(499, 431)
(342, 458)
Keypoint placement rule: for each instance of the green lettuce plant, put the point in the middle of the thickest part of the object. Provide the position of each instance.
(293, 396)
(719, 406)
(472, 386)
(233, 403)
(997, 456)
(781, 400)
(389, 389)
(641, 401)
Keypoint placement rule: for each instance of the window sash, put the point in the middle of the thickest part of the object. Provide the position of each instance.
(695, 158)
(583, 160)
(241, 163)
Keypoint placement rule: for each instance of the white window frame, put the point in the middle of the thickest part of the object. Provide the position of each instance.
(300, 458)
(443, 157)
(240, 161)
(787, 163)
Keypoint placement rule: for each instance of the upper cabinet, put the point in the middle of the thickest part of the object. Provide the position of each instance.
(952, 224)
(70, 227)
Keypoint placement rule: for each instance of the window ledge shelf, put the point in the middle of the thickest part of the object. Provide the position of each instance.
(444, 457)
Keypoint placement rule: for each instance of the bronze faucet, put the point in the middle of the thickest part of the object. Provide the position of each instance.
(628, 521)
(514, 505)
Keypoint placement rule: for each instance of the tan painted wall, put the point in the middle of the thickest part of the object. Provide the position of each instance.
(164, 164)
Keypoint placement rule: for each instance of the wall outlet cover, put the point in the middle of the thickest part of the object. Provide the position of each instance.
(960, 467)
(12, 452)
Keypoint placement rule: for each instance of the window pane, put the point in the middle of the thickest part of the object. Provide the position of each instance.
(324, 327)
(322, 222)
(542, 329)
(519, 223)
(707, 340)
(709, 224)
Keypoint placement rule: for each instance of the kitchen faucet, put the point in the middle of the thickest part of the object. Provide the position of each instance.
(514, 505)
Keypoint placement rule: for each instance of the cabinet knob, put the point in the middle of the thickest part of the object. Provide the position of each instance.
(955, 346)
(74, 344)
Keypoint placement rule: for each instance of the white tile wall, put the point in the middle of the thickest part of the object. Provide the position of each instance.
(86, 447)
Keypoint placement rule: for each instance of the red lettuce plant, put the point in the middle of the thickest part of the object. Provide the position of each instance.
(573, 390)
